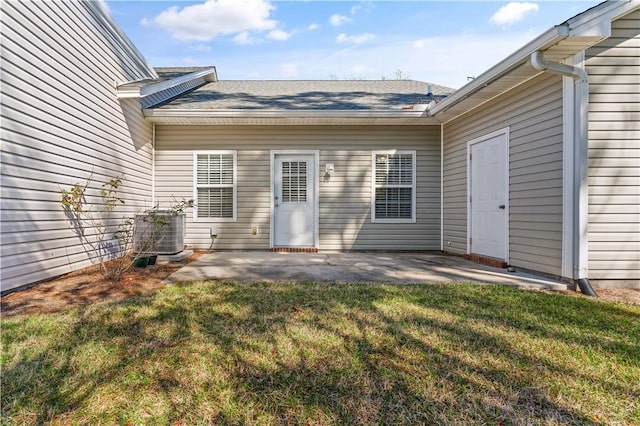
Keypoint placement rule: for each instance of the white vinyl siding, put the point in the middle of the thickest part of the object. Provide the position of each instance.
(614, 155)
(344, 197)
(393, 186)
(533, 113)
(61, 122)
(215, 185)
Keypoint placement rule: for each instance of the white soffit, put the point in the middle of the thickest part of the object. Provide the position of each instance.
(310, 117)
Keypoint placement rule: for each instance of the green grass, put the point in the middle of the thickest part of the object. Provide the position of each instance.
(304, 353)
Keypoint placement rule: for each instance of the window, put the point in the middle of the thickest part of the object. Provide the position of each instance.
(393, 195)
(215, 185)
(294, 181)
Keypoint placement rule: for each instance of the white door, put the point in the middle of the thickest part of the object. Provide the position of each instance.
(488, 200)
(294, 200)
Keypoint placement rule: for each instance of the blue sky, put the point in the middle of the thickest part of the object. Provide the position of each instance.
(439, 42)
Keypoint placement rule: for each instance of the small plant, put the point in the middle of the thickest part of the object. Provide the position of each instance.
(114, 252)
(90, 225)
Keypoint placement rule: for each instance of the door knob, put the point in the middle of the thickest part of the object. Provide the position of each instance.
(501, 206)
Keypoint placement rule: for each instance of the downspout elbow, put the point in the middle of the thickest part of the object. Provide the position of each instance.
(541, 64)
(586, 288)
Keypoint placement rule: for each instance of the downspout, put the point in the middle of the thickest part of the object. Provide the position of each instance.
(153, 164)
(441, 186)
(581, 165)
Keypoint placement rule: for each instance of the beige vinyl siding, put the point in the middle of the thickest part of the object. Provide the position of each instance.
(614, 154)
(533, 114)
(61, 121)
(345, 200)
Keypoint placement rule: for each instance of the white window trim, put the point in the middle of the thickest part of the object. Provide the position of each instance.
(235, 187)
(374, 186)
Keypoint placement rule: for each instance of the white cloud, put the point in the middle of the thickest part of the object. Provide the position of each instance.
(245, 38)
(190, 60)
(447, 60)
(337, 20)
(360, 69)
(313, 27)
(289, 70)
(200, 48)
(364, 6)
(278, 35)
(422, 43)
(354, 39)
(513, 12)
(450, 60)
(205, 21)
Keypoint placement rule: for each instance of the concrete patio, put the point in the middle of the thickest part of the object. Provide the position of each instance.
(360, 267)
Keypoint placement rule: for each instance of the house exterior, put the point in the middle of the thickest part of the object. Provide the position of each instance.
(569, 147)
(61, 122)
(535, 163)
(265, 127)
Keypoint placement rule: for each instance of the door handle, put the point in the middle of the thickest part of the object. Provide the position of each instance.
(501, 206)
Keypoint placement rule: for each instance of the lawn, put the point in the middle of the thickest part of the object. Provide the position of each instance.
(305, 353)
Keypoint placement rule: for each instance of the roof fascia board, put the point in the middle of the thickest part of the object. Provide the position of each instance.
(128, 92)
(547, 39)
(306, 117)
(596, 22)
(204, 113)
(209, 74)
(100, 10)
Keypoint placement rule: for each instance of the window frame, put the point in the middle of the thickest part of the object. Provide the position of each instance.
(196, 186)
(374, 185)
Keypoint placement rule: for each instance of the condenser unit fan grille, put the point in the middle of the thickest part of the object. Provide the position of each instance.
(161, 235)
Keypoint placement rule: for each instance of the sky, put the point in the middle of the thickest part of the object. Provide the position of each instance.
(441, 42)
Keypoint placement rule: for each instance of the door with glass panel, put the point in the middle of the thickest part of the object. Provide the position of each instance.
(294, 200)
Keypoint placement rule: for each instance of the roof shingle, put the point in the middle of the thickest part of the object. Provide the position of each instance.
(287, 95)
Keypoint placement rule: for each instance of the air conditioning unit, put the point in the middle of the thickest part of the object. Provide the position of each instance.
(159, 232)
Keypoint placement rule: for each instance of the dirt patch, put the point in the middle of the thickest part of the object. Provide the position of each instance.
(87, 286)
(625, 295)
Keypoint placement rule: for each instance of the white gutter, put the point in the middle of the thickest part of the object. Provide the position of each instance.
(580, 132)
(597, 20)
(292, 118)
(243, 113)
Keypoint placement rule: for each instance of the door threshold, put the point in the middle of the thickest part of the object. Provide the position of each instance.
(293, 250)
(486, 260)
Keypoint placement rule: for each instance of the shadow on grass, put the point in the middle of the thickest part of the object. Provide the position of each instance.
(230, 353)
